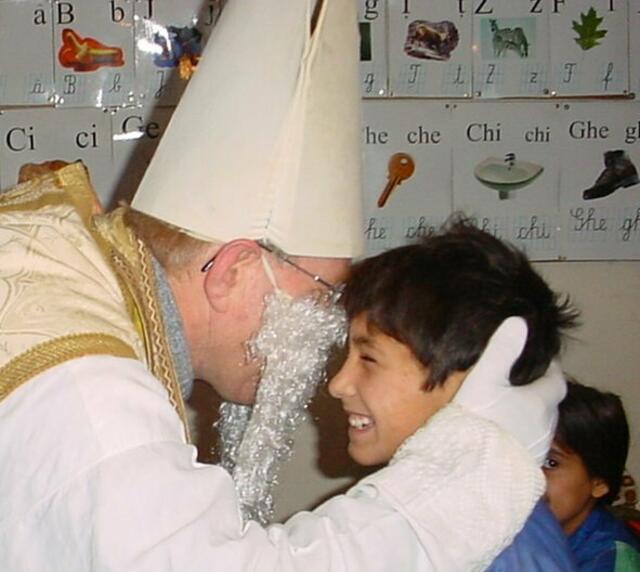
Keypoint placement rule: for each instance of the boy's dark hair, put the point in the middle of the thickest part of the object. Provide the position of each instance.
(445, 296)
(593, 425)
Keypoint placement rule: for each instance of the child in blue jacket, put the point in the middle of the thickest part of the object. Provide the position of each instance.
(584, 472)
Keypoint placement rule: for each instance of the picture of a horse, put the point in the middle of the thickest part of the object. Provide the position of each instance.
(504, 39)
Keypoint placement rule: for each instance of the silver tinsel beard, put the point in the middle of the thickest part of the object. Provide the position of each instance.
(293, 343)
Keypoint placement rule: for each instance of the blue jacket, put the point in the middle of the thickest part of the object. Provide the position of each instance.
(541, 546)
(604, 544)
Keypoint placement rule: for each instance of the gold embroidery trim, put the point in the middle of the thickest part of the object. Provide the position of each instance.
(131, 261)
(44, 356)
(69, 186)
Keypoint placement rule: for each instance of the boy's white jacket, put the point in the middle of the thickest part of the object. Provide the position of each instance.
(111, 485)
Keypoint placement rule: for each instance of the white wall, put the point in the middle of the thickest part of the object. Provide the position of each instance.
(606, 351)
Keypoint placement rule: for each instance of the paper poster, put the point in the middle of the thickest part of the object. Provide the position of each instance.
(634, 46)
(506, 171)
(38, 135)
(26, 54)
(93, 53)
(511, 48)
(170, 37)
(372, 22)
(430, 48)
(136, 134)
(599, 151)
(407, 182)
(589, 47)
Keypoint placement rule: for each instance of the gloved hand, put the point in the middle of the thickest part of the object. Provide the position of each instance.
(529, 412)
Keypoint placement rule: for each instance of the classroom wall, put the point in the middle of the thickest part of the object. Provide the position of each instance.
(606, 348)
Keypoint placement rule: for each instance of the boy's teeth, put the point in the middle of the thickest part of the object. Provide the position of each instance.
(359, 421)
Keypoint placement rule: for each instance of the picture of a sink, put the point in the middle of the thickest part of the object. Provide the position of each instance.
(507, 174)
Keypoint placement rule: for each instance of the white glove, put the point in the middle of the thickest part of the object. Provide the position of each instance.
(529, 412)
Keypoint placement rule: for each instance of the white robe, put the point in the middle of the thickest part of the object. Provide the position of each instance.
(96, 475)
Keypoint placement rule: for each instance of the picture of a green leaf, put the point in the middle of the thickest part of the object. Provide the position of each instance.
(588, 29)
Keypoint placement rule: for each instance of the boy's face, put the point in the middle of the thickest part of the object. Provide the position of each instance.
(381, 385)
(571, 491)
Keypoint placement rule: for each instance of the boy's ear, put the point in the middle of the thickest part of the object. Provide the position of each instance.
(599, 488)
(229, 271)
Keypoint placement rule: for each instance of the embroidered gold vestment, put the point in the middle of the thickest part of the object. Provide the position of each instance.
(74, 283)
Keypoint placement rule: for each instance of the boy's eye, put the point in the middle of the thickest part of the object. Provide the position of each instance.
(367, 358)
(549, 463)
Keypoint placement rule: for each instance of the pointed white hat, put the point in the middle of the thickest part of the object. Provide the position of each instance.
(265, 143)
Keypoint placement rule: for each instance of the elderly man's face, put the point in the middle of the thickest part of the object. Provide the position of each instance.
(233, 373)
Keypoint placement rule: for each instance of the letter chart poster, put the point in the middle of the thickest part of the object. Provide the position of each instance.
(430, 53)
(505, 172)
(408, 141)
(93, 45)
(136, 134)
(590, 52)
(168, 35)
(511, 48)
(372, 22)
(37, 135)
(599, 150)
(26, 53)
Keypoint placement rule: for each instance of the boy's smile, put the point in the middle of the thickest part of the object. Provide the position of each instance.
(381, 385)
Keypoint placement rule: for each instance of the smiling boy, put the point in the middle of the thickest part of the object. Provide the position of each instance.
(382, 389)
(421, 317)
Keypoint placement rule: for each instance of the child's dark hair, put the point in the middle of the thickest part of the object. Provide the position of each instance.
(593, 425)
(446, 295)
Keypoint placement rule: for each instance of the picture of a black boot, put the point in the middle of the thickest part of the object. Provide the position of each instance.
(619, 172)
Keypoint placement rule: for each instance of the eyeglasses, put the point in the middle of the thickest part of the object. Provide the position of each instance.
(284, 258)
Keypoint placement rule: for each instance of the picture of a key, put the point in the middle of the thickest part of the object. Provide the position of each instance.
(400, 168)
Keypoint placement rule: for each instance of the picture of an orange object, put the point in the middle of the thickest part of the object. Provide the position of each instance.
(400, 168)
(87, 54)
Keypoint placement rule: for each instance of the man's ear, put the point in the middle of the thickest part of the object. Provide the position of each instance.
(599, 488)
(228, 270)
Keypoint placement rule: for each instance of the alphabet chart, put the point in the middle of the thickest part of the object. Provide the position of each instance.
(599, 186)
(511, 48)
(372, 23)
(105, 53)
(505, 172)
(407, 183)
(26, 73)
(93, 59)
(430, 48)
(467, 105)
(169, 34)
(590, 51)
(37, 135)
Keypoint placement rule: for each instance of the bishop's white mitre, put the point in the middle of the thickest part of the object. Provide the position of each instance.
(264, 143)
